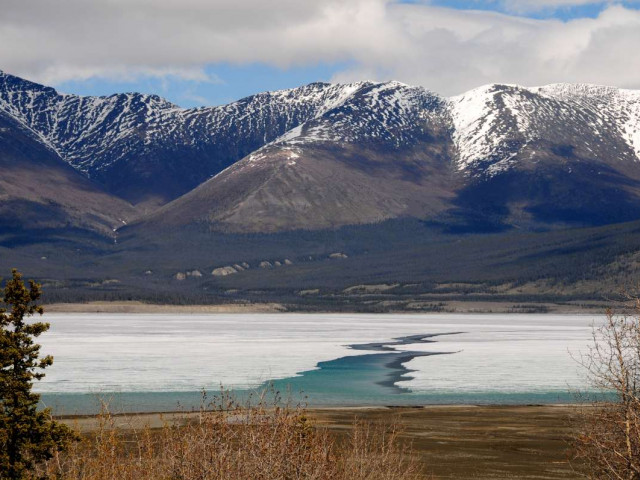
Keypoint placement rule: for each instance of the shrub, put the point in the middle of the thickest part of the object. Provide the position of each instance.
(608, 439)
(264, 441)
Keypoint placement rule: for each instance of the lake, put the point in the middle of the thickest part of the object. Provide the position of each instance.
(159, 362)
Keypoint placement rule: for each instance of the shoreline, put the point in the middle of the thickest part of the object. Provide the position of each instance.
(141, 307)
(344, 409)
(456, 307)
(121, 404)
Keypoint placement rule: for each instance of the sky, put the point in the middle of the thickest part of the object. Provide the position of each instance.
(211, 52)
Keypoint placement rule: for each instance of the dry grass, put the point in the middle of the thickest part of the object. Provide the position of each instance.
(260, 441)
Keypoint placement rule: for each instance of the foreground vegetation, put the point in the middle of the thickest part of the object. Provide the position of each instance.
(608, 438)
(231, 441)
(28, 436)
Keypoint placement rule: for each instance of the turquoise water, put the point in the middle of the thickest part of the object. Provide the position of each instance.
(150, 362)
(367, 379)
(349, 383)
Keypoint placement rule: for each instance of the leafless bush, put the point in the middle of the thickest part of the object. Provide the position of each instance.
(264, 441)
(375, 452)
(608, 442)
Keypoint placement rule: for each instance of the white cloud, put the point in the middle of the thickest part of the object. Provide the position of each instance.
(446, 50)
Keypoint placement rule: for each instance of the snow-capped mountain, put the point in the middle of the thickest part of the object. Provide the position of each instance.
(40, 192)
(380, 153)
(390, 114)
(614, 106)
(496, 156)
(325, 155)
(144, 148)
(492, 125)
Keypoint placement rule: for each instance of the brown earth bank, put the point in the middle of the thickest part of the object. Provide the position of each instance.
(528, 442)
(140, 307)
(594, 307)
(451, 442)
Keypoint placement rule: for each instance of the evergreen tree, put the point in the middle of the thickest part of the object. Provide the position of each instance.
(27, 436)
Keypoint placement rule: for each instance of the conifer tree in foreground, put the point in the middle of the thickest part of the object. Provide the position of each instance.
(27, 436)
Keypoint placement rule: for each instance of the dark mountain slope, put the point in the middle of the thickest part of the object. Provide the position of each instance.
(406, 263)
(383, 153)
(41, 193)
(496, 158)
(551, 156)
(147, 150)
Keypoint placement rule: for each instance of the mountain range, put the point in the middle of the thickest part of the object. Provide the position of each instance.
(126, 174)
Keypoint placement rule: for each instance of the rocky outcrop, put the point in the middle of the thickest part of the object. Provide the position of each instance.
(312, 291)
(224, 271)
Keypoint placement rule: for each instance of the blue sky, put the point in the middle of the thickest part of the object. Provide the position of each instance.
(562, 12)
(227, 83)
(210, 52)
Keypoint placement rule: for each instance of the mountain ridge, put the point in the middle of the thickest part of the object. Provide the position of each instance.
(108, 138)
(39, 191)
(483, 136)
(326, 155)
(503, 191)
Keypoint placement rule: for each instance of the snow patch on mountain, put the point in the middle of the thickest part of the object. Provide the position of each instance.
(390, 112)
(479, 133)
(490, 126)
(94, 133)
(613, 106)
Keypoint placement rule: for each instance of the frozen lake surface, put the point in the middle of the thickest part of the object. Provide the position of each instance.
(154, 361)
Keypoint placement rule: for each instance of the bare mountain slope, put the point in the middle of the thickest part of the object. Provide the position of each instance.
(147, 150)
(322, 156)
(497, 157)
(39, 191)
(381, 154)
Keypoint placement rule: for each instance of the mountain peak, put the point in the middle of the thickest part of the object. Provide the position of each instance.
(12, 82)
(150, 151)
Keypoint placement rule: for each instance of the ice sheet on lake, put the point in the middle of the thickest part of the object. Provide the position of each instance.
(169, 352)
(527, 354)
